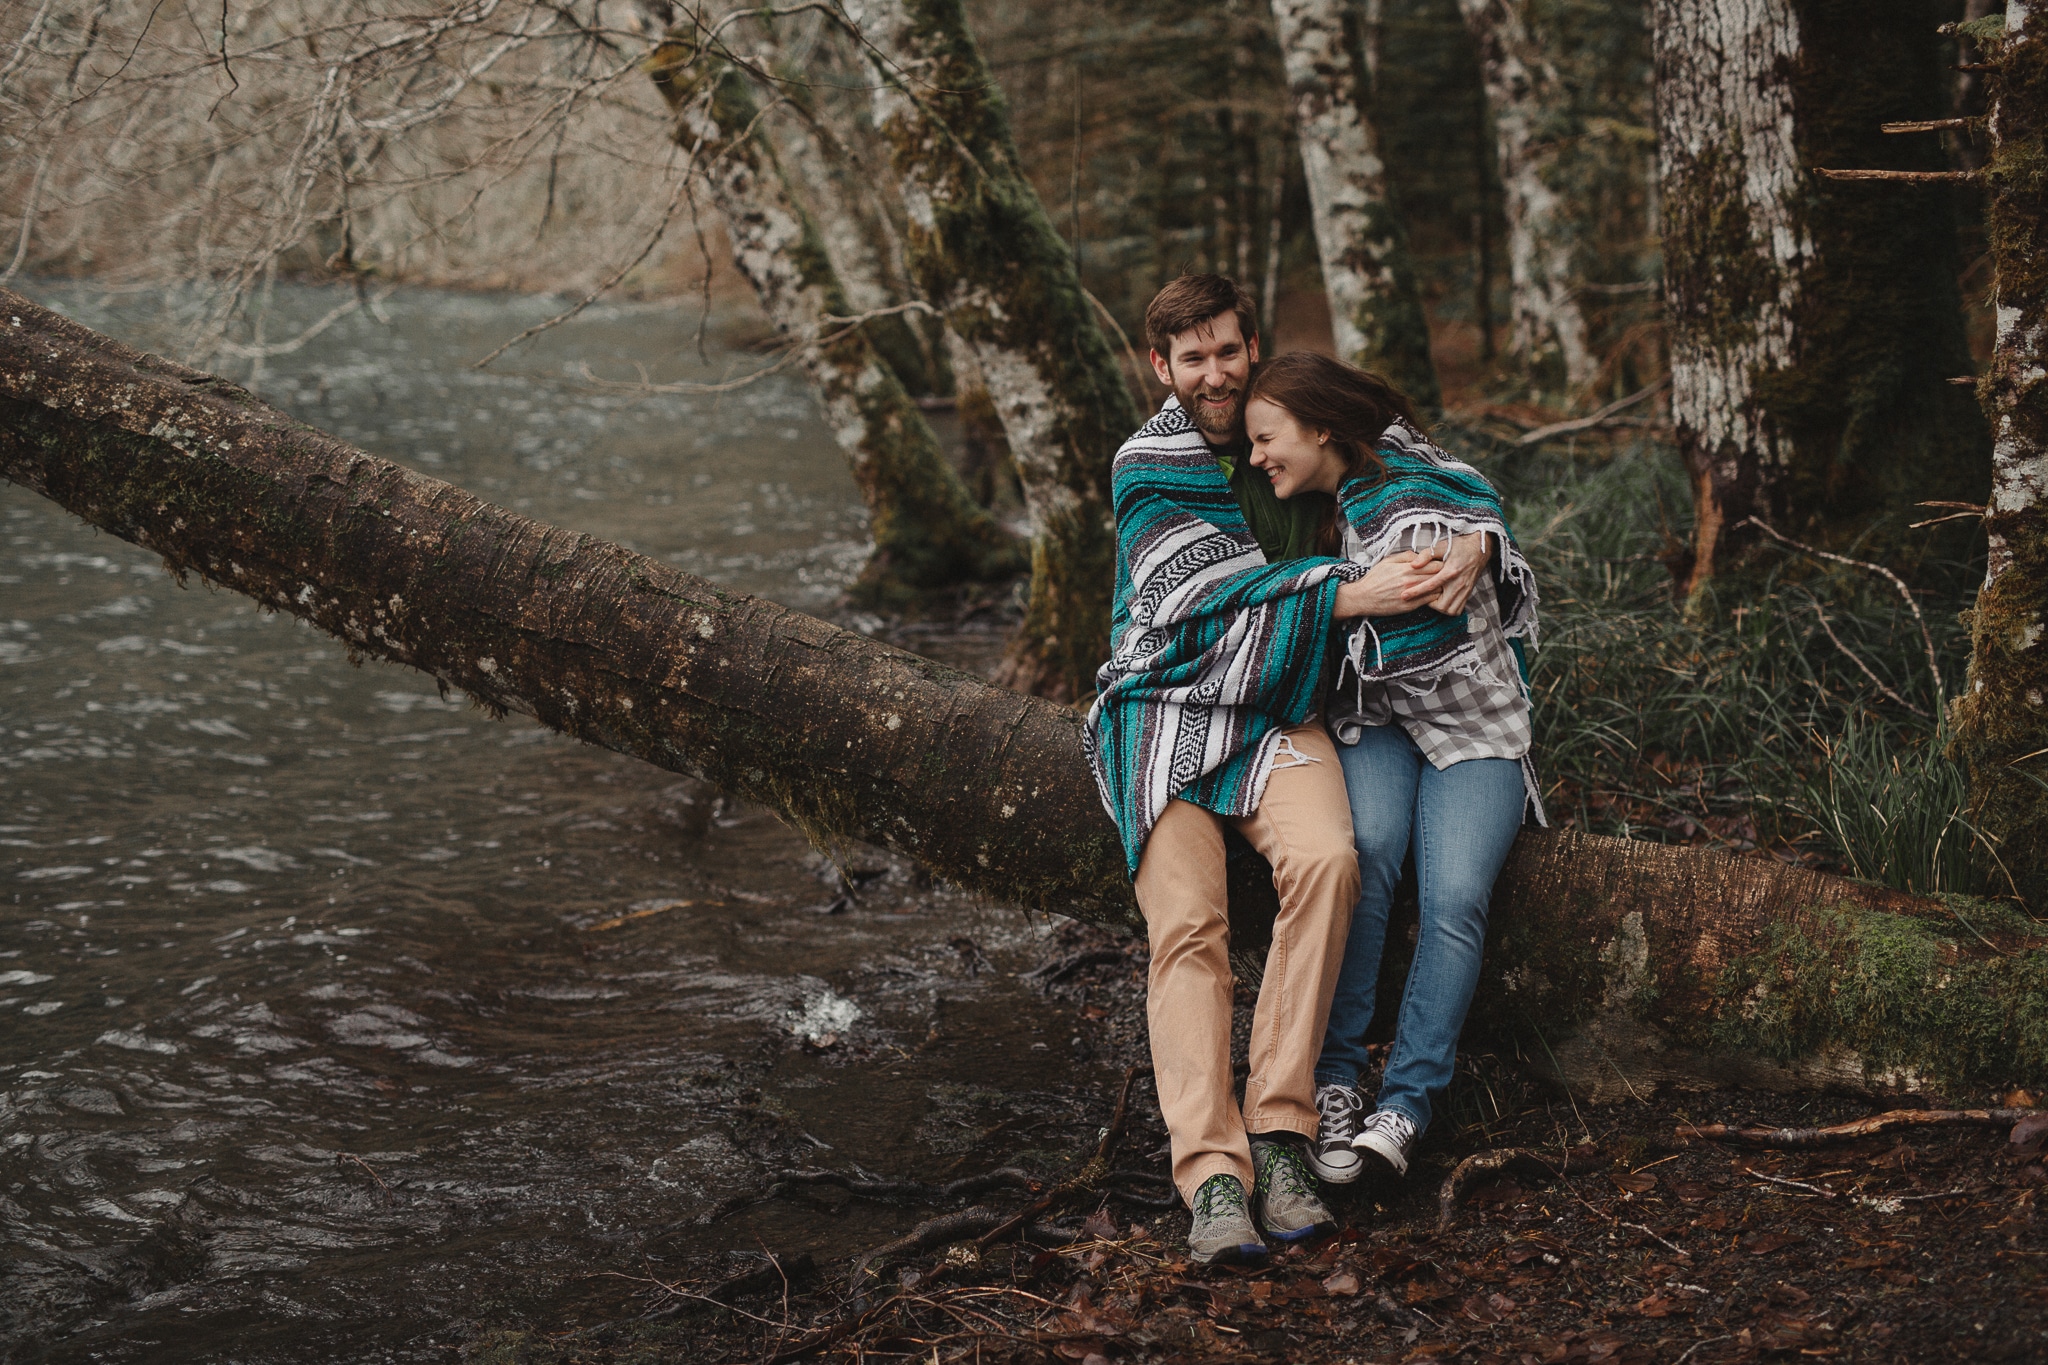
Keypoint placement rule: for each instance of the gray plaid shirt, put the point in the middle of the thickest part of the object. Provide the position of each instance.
(1485, 715)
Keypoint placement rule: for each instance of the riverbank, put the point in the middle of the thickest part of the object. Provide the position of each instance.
(1613, 1238)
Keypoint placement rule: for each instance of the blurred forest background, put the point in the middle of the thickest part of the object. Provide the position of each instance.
(1789, 704)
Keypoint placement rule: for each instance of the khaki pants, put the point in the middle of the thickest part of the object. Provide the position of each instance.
(1303, 827)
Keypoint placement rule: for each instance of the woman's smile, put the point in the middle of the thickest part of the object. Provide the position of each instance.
(1296, 458)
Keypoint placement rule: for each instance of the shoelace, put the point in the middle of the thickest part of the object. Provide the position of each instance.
(1394, 1124)
(1215, 1190)
(1283, 1161)
(1338, 1106)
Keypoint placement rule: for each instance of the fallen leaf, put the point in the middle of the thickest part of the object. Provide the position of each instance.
(2030, 1130)
(1764, 1243)
(1636, 1182)
(1692, 1191)
(1078, 1350)
(1602, 1347)
(2020, 1099)
(1343, 1282)
(1479, 1310)
(1662, 1305)
(1100, 1226)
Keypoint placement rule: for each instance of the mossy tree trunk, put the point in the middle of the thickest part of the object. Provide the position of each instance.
(825, 155)
(1815, 325)
(1375, 309)
(2001, 720)
(929, 533)
(1638, 964)
(1534, 124)
(981, 247)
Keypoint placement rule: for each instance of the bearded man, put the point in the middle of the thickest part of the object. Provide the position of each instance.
(1207, 717)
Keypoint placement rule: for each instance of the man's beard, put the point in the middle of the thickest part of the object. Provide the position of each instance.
(1224, 423)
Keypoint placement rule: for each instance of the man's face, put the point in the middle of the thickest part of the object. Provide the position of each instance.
(1208, 368)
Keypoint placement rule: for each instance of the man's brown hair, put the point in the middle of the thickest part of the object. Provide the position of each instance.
(1192, 300)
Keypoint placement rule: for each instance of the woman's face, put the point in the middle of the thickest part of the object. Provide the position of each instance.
(1296, 458)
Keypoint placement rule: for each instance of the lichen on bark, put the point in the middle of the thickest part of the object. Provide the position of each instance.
(2001, 719)
(928, 532)
(1815, 325)
(981, 247)
(1375, 307)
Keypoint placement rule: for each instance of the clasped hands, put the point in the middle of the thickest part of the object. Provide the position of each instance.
(1440, 577)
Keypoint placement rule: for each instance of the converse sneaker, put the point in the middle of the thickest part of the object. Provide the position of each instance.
(1388, 1135)
(1284, 1192)
(1332, 1157)
(1223, 1232)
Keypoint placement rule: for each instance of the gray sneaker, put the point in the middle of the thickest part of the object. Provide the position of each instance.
(1284, 1193)
(1332, 1158)
(1388, 1135)
(1223, 1233)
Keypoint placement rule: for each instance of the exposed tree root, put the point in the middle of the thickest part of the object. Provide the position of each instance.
(1847, 1132)
(1506, 1160)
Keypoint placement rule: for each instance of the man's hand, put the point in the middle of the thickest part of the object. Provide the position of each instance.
(1454, 578)
(1396, 585)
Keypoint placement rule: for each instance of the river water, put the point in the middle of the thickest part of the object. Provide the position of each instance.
(340, 1022)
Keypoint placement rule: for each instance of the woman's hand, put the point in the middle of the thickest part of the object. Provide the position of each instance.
(1396, 585)
(1453, 580)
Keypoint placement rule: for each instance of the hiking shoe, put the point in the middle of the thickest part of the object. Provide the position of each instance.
(1388, 1135)
(1223, 1233)
(1332, 1157)
(1284, 1191)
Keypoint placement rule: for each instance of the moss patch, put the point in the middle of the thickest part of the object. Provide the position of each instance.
(1921, 995)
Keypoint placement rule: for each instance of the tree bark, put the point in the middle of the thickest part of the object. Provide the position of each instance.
(1649, 963)
(2001, 720)
(1814, 326)
(1375, 310)
(982, 248)
(823, 151)
(1533, 121)
(929, 533)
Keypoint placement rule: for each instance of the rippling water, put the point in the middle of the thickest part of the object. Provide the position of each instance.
(341, 1022)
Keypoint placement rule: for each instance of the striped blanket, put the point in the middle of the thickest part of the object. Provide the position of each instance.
(1426, 496)
(1213, 651)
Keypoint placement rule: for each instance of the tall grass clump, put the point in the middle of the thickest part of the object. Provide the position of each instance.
(1788, 708)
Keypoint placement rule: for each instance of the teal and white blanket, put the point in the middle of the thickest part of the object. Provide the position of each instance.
(1426, 496)
(1213, 651)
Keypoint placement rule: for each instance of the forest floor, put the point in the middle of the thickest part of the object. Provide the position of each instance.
(1611, 1238)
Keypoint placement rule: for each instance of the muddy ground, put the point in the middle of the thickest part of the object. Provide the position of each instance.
(1617, 1240)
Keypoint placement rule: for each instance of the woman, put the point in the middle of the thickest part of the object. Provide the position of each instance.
(1431, 714)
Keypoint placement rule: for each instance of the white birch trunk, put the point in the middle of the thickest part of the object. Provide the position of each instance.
(980, 246)
(928, 532)
(1375, 312)
(1526, 94)
(1734, 251)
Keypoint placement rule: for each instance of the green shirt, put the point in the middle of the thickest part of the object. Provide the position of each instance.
(1285, 530)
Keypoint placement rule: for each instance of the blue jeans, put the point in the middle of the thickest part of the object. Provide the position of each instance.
(1462, 821)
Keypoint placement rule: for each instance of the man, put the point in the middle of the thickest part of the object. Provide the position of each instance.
(1205, 718)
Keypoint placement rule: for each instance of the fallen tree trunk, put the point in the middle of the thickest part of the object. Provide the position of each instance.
(1629, 964)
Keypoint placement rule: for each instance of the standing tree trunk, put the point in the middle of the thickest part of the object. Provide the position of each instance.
(823, 157)
(1533, 123)
(1648, 962)
(1815, 325)
(1375, 310)
(929, 533)
(982, 248)
(2001, 719)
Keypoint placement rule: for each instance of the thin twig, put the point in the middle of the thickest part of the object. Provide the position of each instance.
(1676, 1250)
(1530, 438)
(1875, 681)
(1926, 637)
